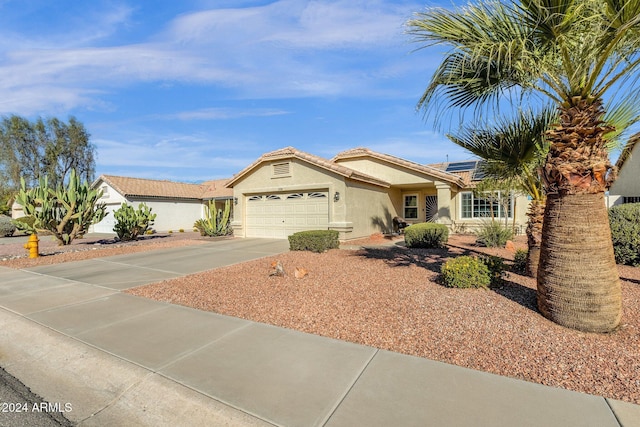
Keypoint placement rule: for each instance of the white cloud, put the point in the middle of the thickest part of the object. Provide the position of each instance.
(223, 114)
(289, 48)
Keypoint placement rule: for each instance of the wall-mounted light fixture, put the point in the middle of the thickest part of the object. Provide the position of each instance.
(235, 200)
(336, 196)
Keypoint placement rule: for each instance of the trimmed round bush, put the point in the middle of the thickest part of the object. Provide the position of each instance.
(314, 240)
(625, 233)
(426, 235)
(7, 228)
(465, 272)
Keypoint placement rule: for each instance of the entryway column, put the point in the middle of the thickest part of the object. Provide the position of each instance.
(444, 204)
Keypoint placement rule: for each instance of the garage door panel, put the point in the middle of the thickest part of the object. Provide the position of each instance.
(278, 216)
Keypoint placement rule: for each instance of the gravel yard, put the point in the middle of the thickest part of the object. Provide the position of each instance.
(387, 297)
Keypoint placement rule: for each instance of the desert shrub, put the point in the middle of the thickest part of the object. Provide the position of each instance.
(181, 230)
(497, 268)
(465, 272)
(625, 233)
(426, 235)
(131, 223)
(520, 261)
(314, 240)
(7, 227)
(493, 234)
(215, 222)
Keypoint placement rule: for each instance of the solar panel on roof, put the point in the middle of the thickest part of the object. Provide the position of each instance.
(461, 166)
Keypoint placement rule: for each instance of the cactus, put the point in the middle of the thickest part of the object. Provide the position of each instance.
(66, 211)
(131, 223)
(215, 223)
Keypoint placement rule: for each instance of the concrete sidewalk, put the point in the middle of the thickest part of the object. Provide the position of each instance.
(116, 359)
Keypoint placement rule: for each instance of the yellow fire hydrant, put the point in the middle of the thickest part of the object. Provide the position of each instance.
(32, 246)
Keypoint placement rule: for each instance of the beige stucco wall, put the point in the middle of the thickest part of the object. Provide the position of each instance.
(303, 176)
(394, 175)
(628, 182)
(371, 209)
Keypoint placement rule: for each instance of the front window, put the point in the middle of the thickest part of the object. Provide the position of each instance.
(411, 206)
(495, 205)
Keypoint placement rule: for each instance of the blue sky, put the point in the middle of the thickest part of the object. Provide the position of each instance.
(194, 89)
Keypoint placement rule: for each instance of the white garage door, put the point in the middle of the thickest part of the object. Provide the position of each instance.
(280, 215)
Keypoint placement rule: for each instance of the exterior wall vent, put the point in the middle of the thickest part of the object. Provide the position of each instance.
(282, 169)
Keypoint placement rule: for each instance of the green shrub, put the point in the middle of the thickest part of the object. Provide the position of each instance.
(493, 234)
(497, 268)
(520, 261)
(426, 235)
(7, 227)
(314, 240)
(131, 223)
(465, 272)
(181, 230)
(625, 233)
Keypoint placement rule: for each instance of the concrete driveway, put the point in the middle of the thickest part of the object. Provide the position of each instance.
(127, 271)
(117, 359)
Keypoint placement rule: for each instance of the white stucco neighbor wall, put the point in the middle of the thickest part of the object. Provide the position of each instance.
(172, 214)
(628, 182)
(113, 200)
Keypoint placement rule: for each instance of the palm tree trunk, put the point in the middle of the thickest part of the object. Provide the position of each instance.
(578, 283)
(534, 236)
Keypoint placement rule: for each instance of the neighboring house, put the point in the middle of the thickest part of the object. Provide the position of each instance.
(177, 205)
(626, 189)
(357, 193)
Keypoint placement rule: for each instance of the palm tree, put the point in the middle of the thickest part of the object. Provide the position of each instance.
(514, 150)
(574, 53)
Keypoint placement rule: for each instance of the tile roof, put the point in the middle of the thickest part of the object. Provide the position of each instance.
(142, 187)
(425, 169)
(291, 152)
(216, 188)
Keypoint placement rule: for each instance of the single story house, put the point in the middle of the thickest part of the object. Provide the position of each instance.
(358, 193)
(177, 205)
(626, 189)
